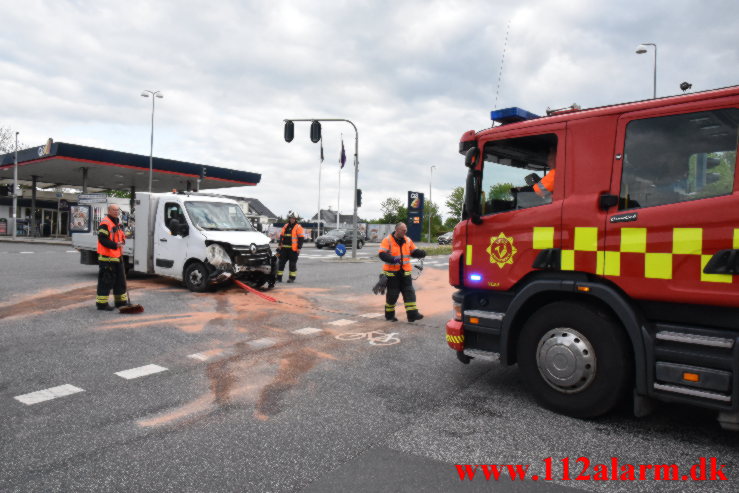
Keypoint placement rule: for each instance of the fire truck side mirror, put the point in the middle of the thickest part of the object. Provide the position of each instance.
(471, 156)
(469, 211)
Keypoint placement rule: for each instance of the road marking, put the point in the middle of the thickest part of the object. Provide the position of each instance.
(307, 331)
(342, 322)
(70, 251)
(48, 394)
(206, 355)
(25, 252)
(141, 371)
(262, 343)
(372, 315)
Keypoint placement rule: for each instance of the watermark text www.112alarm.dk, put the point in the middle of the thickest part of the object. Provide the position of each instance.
(582, 469)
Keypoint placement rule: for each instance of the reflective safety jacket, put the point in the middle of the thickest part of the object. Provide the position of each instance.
(389, 246)
(545, 187)
(297, 237)
(115, 234)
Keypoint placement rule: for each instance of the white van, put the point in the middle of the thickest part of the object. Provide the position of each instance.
(202, 240)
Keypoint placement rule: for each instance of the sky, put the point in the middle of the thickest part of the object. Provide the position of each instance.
(413, 76)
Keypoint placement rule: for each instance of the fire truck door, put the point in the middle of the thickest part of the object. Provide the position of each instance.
(678, 204)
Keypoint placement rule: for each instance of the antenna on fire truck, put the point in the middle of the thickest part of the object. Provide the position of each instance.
(502, 60)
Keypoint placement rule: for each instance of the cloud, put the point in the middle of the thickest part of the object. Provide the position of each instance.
(412, 75)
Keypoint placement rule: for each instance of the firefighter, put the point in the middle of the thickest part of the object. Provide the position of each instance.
(111, 239)
(545, 187)
(396, 251)
(291, 241)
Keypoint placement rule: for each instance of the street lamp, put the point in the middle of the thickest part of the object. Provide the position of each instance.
(15, 189)
(640, 50)
(431, 176)
(154, 96)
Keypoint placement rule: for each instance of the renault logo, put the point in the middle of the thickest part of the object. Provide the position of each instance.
(253, 248)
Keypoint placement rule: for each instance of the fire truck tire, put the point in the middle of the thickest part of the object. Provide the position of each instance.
(575, 360)
(196, 277)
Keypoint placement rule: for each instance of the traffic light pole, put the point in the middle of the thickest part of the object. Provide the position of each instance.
(356, 168)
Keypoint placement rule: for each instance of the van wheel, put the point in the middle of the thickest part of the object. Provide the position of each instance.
(360, 244)
(575, 360)
(196, 277)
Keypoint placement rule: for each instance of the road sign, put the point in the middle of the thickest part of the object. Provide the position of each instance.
(340, 250)
(92, 198)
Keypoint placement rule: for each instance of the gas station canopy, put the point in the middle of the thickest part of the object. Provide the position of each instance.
(70, 165)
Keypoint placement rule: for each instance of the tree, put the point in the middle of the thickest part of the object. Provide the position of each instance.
(454, 203)
(393, 211)
(7, 140)
(501, 191)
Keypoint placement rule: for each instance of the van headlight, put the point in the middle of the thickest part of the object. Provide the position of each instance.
(217, 256)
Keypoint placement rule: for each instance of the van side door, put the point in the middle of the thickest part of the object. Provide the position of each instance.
(170, 247)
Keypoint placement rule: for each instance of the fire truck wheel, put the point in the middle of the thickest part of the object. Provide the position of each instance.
(196, 277)
(575, 360)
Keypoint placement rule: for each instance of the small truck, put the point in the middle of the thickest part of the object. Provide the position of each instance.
(202, 240)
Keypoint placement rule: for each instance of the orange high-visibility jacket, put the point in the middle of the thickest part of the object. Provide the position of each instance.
(115, 233)
(297, 232)
(546, 185)
(389, 245)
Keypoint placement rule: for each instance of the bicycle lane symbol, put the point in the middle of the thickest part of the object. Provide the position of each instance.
(374, 337)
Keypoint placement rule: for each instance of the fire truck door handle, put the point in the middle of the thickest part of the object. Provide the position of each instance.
(608, 200)
(163, 240)
(723, 262)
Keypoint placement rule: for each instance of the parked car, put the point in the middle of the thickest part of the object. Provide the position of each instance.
(336, 236)
(446, 238)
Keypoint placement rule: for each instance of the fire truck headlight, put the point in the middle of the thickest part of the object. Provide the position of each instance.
(457, 307)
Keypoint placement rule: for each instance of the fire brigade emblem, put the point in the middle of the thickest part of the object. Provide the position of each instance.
(501, 250)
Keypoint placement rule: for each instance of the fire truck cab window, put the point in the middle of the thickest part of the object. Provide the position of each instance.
(677, 158)
(516, 173)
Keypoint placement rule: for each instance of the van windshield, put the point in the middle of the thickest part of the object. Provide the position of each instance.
(217, 216)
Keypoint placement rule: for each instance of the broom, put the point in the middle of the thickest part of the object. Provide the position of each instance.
(129, 308)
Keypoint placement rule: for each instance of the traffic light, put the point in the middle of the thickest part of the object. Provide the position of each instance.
(315, 131)
(289, 131)
(359, 197)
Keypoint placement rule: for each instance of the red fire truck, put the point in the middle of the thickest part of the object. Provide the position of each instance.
(599, 250)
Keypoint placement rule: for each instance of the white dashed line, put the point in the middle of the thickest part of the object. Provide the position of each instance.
(206, 355)
(342, 322)
(71, 251)
(307, 331)
(48, 394)
(25, 252)
(141, 371)
(371, 315)
(262, 343)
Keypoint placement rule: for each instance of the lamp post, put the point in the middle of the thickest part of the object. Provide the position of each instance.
(15, 188)
(431, 176)
(154, 96)
(640, 50)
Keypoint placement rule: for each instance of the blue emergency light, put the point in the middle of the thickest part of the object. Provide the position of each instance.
(511, 115)
(475, 277)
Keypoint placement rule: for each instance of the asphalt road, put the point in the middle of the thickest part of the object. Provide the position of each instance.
(226, 391)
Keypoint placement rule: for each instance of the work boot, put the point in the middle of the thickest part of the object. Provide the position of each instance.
(391, 319)
(105, 308)
(412, 317)
(292, 279)
(278, 279)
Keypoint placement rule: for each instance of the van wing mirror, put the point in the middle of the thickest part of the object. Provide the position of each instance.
(183, 230)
